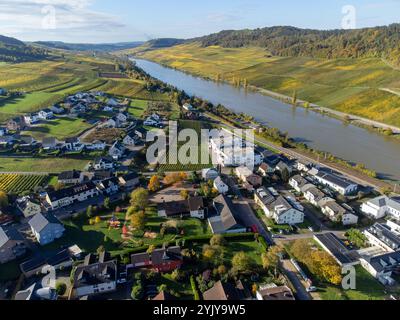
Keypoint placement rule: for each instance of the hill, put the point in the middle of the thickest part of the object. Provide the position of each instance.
(105, 47)
(13, 50)
(153, 45)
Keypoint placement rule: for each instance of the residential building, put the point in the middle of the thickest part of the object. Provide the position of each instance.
(27, 141)
(243, 173)
(130, 139)
(303, 166)
(36, 292)
(297, 182)
(129, 181)
(314, 195)
(284, 212)
(254, 180)
(71, 177)
(12, 245)
(284, 167)
(381, 235)
(117, 150)
(16, 124)
(46, 228)
(141, 133)
(227, 219)
(194, 206)
(225, 291)
(49, 143)
(96, 145)
(188, 107)
(109, 186)
(104, 163)
(31, 118)
(123, 117)
(275, 293)
(164, 296)
(266, 169)
(73, 144)
(337, 183)
(65, 197)
(220, 186)
(3, 131)
(57, 109)
(379, 207)
(95, 276)
(337, 213)
(209, 174)
(161, 260)
(28, 207)
(382, 267)
(263, 198)
(46, 114)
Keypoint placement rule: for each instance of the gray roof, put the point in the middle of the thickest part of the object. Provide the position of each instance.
(335, 179)
(40, 221)
(384, 234)
(9, 234)
(386, 262)
(336, 208)
(282, 203)
(225, 207)
(3, 237)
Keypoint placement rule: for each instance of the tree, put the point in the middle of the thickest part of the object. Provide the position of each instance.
(138, 220)
(107, 203)
(185, 194)
(3, 200)
(61, 288)
(271, 258)
(217, 240)
(242, 263)
(100, 250)
(140, 198)
(285, 175)
(154, 184)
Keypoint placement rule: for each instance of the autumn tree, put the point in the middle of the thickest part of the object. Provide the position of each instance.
(271, 258)
(139, 198)
(138, 220)
(217, 240)
(242, 263)
(3, 200)
(154, 184)
(185, 194)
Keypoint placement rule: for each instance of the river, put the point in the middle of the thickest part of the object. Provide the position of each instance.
(321, 132)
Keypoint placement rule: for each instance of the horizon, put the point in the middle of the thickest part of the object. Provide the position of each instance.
(102, 22)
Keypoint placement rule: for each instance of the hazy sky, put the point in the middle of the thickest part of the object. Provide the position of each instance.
(94, 21)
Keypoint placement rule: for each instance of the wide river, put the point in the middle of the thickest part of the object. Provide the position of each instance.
(321, 132)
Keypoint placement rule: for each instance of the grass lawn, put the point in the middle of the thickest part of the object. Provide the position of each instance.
(183, 289)
(54, 165)
(138, 108)
(368, 288)
(60, 128)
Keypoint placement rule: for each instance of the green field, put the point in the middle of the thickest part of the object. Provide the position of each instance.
(138, 107)
(60, 128)
(55, 165)
(355, 86)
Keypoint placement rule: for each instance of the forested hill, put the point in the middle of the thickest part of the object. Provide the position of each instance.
(383, 42)
(106, 47)
(13, 50)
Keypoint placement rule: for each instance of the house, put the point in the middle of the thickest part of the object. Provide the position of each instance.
(57, 109)
(3, 131)
(243, 173)
(382, 236)
(224, 291)
(113, 123)
(12, 245)
(7, 140)
(209, 174)
(16, 124)
(78, 193)
(96, 145)
(303, 166)
(108, 109)
(382, 267)
(379, 207)
(337, 183)
(49, 143)
(117, 150)
(314, 195)
(31, 118)
(188, 107)
(100, 175)
(284, 212)
(164, 296)
(46, 228)
(227, 219)
(337, 213)
(28, 207)
(95, 276)
(26, 141)
(123, 117)
(73, 144)
(193, 206)
(141, 133)
(46, 114)
(129, 181)
(297, 182)
(109, 186)
(113, 102)
(104, 163)
(70, 177)
(263, 198)
(283, 167)
(130, 139)
(163, 260)
(36, 292)
(275, 293)
(220, 186)
(254, 180)
(265, 169)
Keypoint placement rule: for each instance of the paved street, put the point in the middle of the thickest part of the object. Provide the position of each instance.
(294, 277)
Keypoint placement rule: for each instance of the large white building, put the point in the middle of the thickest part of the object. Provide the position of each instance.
(337, 183)
(379, 207)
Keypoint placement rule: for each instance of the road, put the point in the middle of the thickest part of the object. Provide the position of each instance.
(294, 277)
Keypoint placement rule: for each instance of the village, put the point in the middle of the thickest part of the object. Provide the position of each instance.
(222, 231)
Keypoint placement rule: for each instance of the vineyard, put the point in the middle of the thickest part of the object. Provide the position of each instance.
(16, 183)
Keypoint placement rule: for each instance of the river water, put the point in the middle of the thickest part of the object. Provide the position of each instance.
(324, 133)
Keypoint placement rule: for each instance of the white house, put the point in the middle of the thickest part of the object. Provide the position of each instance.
(109, 186)
(188, 107)
(71, 177)
(209, 174)
(194, 207)
(297, 182)
(382, 236)
(46, 114)
(337, 183)
(112, 102)
(27, 207)
(31, 118)
(381, 267)
(108, 109)
(243, 173)
(263, 199)
(73, 144)
(117, 150)
(78, 193)
(379, 207)
(130, 139)
(337, 213)
(46, 228)
(57, 109)
(104, 163)
(314, 195)
(123, 117)
(285, 213)
(96, 145)
(221, 186)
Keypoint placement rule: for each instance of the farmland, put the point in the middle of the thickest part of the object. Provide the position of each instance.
(50, 165)
(355, 86)
(16, 183)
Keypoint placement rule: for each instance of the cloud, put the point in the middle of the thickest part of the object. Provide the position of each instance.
(32, 18)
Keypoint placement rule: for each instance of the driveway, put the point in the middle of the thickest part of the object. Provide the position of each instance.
(291, 272)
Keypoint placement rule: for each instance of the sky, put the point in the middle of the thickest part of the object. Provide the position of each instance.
(110, 21)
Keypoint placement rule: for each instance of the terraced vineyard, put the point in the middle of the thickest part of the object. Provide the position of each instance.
(16, 183)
